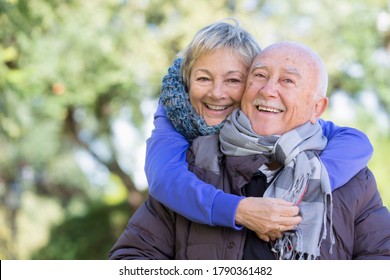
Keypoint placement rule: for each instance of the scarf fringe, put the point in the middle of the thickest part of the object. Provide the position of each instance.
(297, 190)
(284, 248)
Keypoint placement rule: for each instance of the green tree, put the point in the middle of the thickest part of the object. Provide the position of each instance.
(71, 71)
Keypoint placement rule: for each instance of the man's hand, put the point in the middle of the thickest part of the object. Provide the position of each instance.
(268, 217)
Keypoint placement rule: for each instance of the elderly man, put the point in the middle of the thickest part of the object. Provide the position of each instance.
(270, 148)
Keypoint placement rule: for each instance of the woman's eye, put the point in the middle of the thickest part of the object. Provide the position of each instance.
(234, 81)
(202, 79)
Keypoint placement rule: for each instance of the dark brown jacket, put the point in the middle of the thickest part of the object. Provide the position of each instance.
(361, 223)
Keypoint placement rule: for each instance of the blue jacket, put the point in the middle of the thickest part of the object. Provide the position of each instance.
(348, 151)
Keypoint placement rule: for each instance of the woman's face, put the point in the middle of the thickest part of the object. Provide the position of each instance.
(217, 83)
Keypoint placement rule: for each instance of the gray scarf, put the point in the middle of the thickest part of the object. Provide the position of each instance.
(303, 179)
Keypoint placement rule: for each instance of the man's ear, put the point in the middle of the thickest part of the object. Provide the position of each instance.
(319, 109)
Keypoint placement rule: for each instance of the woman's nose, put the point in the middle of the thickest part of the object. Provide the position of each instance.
(218, 90)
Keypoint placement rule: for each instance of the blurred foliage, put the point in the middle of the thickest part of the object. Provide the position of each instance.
(73, 72)
(90, 236)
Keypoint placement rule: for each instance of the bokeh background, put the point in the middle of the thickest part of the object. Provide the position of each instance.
(79, 83)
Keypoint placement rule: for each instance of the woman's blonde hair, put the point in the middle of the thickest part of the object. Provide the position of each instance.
(221, 34)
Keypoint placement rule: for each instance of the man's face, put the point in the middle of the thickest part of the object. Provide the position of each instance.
(281, 90)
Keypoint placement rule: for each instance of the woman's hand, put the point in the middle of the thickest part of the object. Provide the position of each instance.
(267, 217)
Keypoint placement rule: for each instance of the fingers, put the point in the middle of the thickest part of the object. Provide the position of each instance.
(288, 210)
(288, 223)
(283, 207)
(263, 237)
(274, 234)
(282, 202)
(269, 236)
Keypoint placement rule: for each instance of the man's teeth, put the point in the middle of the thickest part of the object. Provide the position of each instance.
(217, 107)
(269, 109)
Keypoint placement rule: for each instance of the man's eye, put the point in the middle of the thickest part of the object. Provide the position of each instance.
(259, 75)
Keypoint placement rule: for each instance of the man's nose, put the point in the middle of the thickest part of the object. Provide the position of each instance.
(269, 88)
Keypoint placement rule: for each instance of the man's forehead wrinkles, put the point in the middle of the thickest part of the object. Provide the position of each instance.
(259, 65)
(289, 70)
(293, 71)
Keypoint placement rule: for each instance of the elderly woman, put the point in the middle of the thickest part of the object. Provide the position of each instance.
(202, 88)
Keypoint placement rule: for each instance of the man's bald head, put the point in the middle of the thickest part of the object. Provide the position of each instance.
(286, 88)
(312, 60)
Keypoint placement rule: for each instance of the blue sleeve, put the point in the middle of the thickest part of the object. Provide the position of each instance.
(171, 183)
(347, 152)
